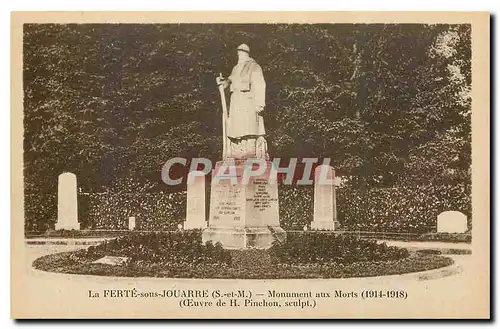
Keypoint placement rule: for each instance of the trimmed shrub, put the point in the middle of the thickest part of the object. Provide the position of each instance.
(320, 248)
(446, 237)
(40, 211)
(429, 252)
(404, 209)
(411, 209)
(167, 248)
(153, 211)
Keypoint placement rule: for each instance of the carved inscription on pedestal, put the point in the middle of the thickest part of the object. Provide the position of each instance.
(261, 199)
(227, 204)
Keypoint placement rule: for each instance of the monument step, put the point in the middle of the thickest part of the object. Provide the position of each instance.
(244, 237)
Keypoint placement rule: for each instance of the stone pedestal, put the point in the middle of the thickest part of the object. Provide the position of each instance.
(67, 203)
(325, 205)
(244, 210)
(195, 212)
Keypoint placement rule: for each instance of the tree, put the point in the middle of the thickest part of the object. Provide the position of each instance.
(113, 102)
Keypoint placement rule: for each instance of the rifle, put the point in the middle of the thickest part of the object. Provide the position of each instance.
(225, 142)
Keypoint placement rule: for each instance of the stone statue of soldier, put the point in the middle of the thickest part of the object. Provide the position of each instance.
(244, 213)
(245, 125)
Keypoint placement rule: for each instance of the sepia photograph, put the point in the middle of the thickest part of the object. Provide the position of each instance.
(250, 166)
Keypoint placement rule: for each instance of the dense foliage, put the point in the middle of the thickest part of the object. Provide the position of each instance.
(448, 237)
(111, 103)
(411, 209)
(186, 247)
(182, 254)
(166, 248)
(66, 263)
(319, 248)
(153, 211)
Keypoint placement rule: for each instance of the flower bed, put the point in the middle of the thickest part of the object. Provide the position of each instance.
(181, 254)
(166, 248)
(320, 248)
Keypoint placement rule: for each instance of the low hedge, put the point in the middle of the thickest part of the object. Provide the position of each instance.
(403, 209)
(62, 233)
(153, 211)
(446, 237)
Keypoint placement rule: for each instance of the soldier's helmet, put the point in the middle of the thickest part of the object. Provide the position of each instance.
(243, 47)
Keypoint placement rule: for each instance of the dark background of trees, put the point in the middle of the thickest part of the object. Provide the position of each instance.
(112, 102)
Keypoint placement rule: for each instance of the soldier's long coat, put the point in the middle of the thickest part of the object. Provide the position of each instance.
(248, 92)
